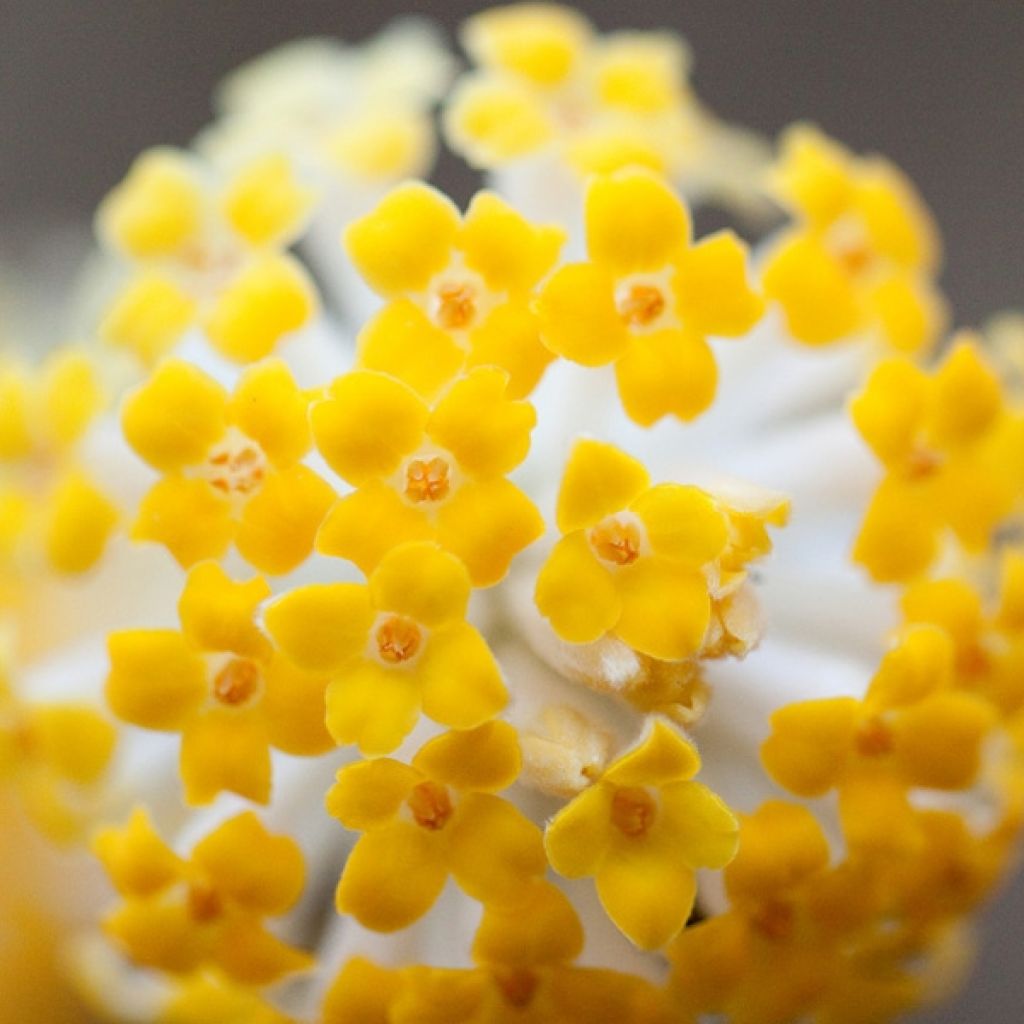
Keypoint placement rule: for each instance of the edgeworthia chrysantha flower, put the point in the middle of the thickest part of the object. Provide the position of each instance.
(562, 617)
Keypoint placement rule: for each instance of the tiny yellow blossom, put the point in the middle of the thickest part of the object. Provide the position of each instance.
(208, 252)
(222, 685)
(393, 646)
(231, 463)
(648, 298)
(648, 564)
(953, 452)
(458, 290)
(208, 911)
(431, 819)
(427, 473)
(863, 254)
(202, 998)
(642, 829)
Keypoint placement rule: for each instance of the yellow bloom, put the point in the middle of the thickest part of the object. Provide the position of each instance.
(231, 465)
(208, 911)
(864, 252)
(203, 998)
(953, 455)
(393, 646)
(427, 473)
(431, 819)
(642, 829)
(458, 289)
(221, 684)
(648, 298)
(648, 564)
(207, 252)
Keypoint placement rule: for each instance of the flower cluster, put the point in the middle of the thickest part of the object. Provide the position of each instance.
(487, 557)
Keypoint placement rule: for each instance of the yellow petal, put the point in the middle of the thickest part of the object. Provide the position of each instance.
(265, 203)
(361, 992)
(270, 298)
(422, 581)
(485, 759)
(515, 849)
(188, 517)
(175, 417)
(897, 222)
(279, 524)
(269, 407)
(509, 337)
(368, 794)
(461, 680)
(682, 523)
(368, 425)
(392, 877)
(219, 614)
(635, 222)
(156, 679)
(897, 540)
(401, 341)
(135, 858)
(405, 240)
(665, 609)
(668, 373)
(505, 249)
(256, 869)
(599, 480)
(890, 409)
(578, 316)
(712, 289)
(322, 626)
(664, 756)
(910, 312)
(700, 828)
(249, 954)
(814, 175)
(74, 740)
(162, 935)
(80, 520)
(486, 524)
(579, 835)
(809, 748)
(488, 434)
(295, 707)
(647, 894)
(967, 397)
(372, 706)
(148, 317)
(365, 525)
(225, 751)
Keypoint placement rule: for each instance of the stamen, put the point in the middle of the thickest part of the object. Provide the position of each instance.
(237, 682)
(641, 305)
(874, 738)
(398, 640)
(237, 466)
(922, 463)
(616, 541)
(456, 306)
(204, 903)
(633, 811)
(427, 480)
(775, 920)
(431, 805)
(518, 986)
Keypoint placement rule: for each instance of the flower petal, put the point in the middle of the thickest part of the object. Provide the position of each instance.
(219, 614)
(372, 706)
(187, 517)
(485, 759)
(699, 827)
(579, 835)
(269, 407)
(509, 337)
(578, 316)
(225, 751)
(663, 756)
(712, 289)
(424, 582)
(599, 480)
(295, 707)
(682, 523)
(368, 794)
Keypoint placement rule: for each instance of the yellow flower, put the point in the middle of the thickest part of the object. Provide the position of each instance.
(864, 252)
(393, 646)
(648, 298)
(431, 819)
(220, 683)
(208, 911)
(49, 506)
(207, 252)
(648, 564)
(231, 465)
(427, 473)
(458, 289)
(953, 455)
(203, 998)
(642, 830)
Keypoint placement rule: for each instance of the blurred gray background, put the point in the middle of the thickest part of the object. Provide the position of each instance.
(937, 85)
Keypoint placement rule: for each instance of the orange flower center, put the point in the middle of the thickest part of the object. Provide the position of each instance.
(456, 306)
(236, 683)
(922, 463)
(427, 480)
(851, 246)
(237, 468)
(204, 903)
(641, 305)
(616, 541)
(431, 805)
(775, 920)
(633, 811)
(398, 640)
(874, 738)
(517, 986)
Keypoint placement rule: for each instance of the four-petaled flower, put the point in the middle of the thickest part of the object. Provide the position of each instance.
(642, 830)
(459, 290)
(393, 646)
(431, 819)
(648, 298)
(207, 911)
(231, 465)
(222, 685)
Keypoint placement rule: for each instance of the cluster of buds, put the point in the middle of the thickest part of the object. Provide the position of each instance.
(486, 534)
